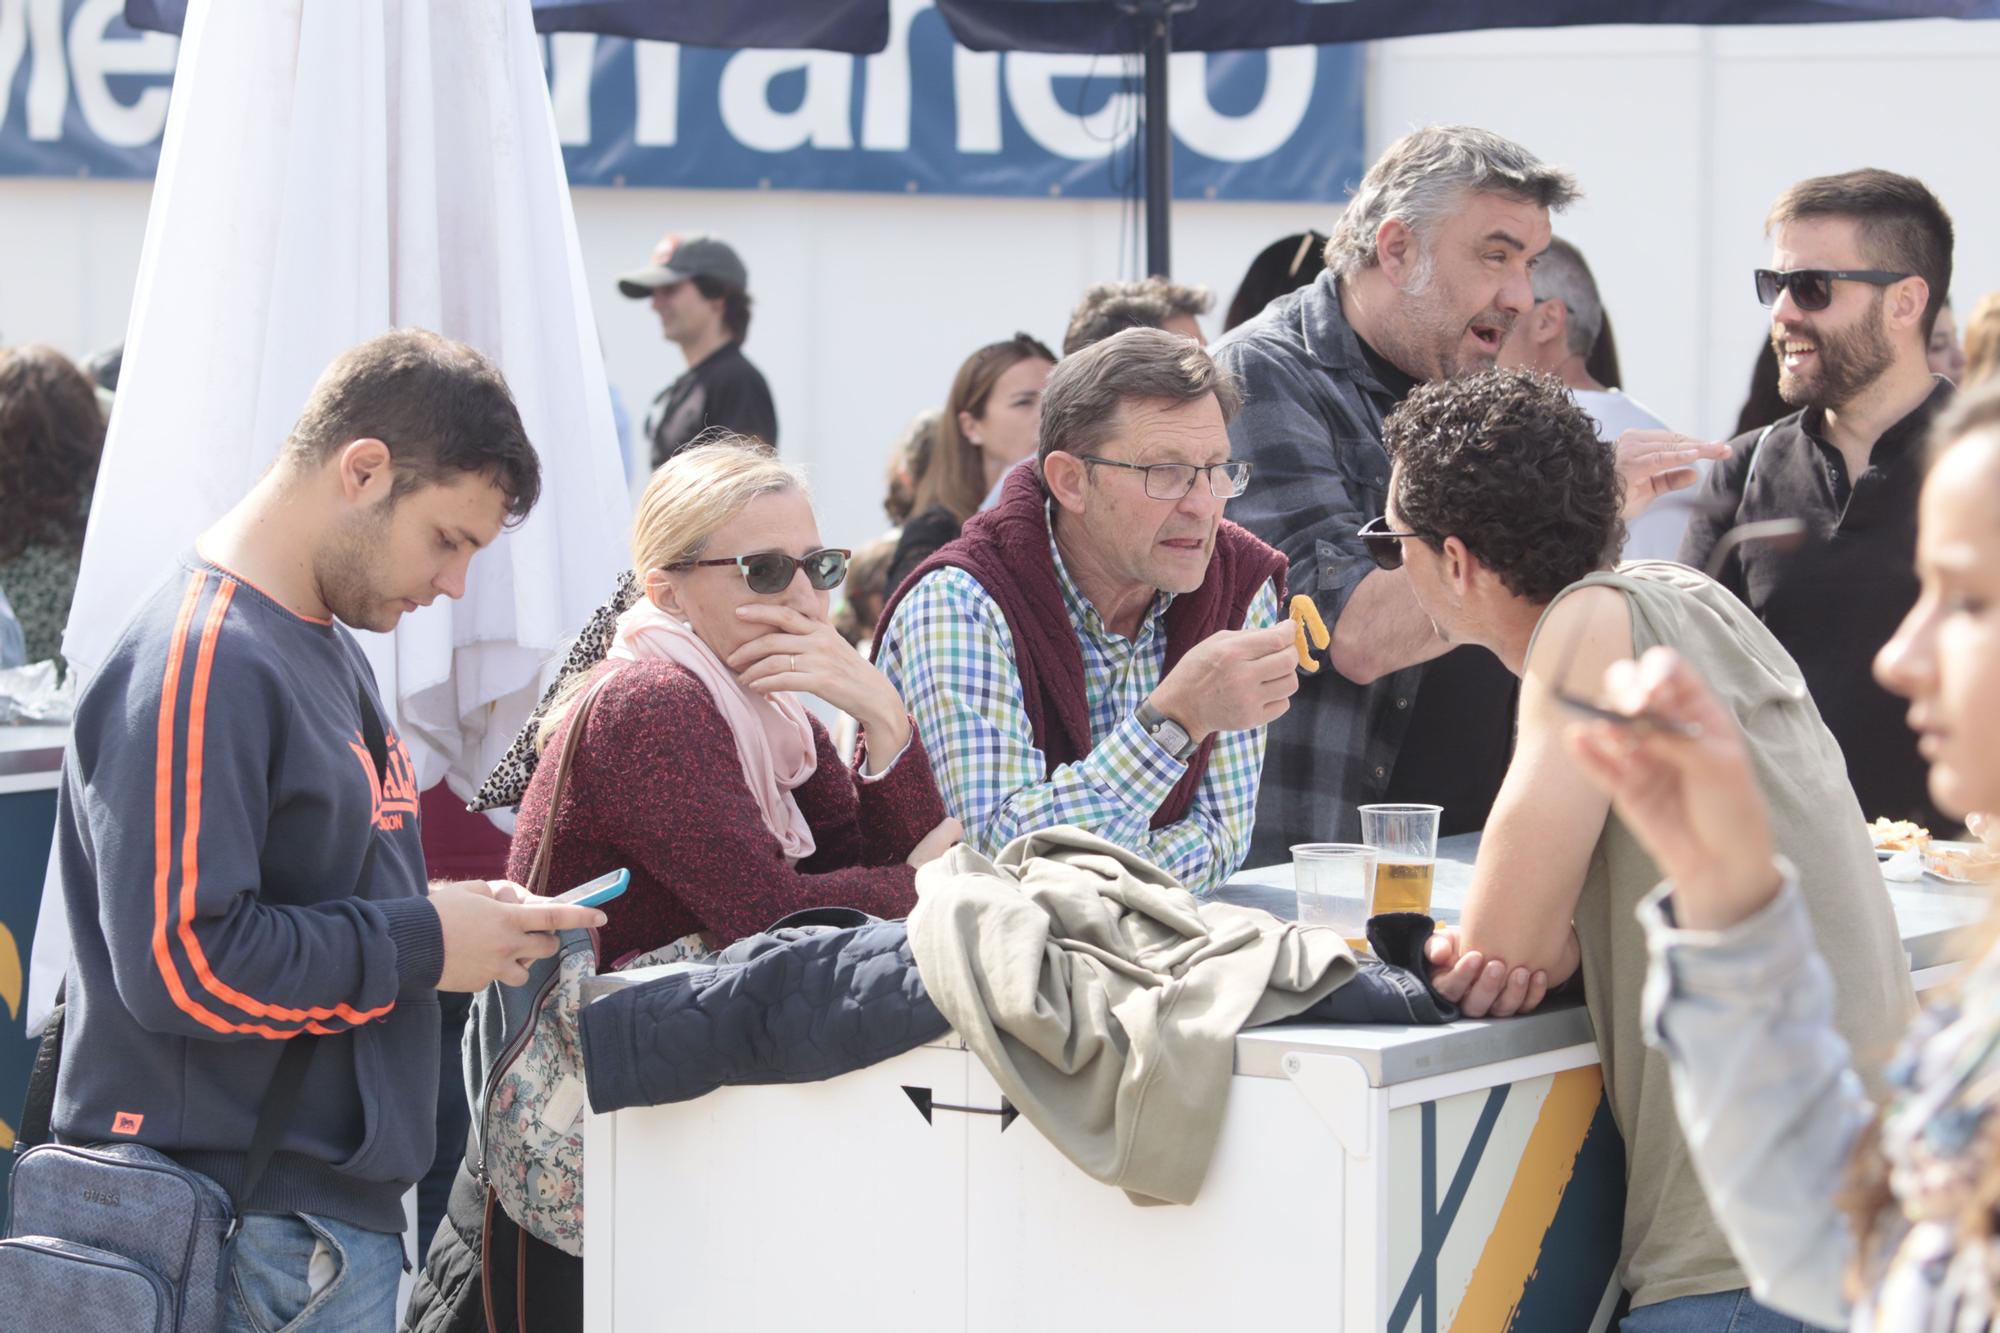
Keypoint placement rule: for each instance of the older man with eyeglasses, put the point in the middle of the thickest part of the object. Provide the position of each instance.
(1102, 648)
(1860, 269)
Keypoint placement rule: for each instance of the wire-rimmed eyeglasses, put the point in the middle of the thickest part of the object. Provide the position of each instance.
(1172, 481)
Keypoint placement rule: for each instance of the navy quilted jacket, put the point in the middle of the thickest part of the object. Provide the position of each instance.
(792, 1005)
(805, 1001)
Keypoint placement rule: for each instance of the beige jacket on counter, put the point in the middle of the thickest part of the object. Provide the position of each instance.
(1105, 999)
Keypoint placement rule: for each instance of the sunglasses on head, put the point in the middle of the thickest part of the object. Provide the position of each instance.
(1384, 546)
(771, 571)
(1812, 288)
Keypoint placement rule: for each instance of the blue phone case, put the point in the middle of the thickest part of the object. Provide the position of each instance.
(607, 887)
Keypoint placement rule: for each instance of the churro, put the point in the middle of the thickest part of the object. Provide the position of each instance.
(1307, 624)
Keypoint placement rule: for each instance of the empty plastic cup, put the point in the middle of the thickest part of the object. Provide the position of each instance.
(1333, 881)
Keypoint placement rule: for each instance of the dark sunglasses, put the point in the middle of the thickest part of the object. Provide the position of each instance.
(771, 571)
(1812, 288)
(1783, 534)
(1385, 547)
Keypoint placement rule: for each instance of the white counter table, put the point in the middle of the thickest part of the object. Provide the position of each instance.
(1460, 1177)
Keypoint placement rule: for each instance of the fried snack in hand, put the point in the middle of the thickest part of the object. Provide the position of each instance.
(1305, 622)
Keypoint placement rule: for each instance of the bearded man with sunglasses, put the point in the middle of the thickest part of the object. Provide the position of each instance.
(1101, 648)
(1860, 268)
(1498, 558)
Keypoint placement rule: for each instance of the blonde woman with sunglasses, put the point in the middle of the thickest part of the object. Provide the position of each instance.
(699, 769)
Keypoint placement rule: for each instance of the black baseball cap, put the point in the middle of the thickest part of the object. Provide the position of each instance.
(675, 260)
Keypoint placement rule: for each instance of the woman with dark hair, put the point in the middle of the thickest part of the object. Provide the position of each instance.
(1739, 997)
(908, 462)
(1602, 363)
(1947, 358)
(1285, 265)
(1763, 406)
(51, 435)
(991, 421)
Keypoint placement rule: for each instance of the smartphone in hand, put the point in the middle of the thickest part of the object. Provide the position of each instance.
(597, 892)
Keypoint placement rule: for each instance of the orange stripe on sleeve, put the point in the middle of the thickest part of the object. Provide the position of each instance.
(163, 823)
(190, 839)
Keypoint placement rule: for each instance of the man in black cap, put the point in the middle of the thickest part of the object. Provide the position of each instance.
(699, 289)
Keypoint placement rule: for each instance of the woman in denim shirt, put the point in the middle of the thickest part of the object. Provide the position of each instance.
(1842, 1215)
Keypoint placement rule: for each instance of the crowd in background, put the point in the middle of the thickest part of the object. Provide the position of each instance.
(50, 440)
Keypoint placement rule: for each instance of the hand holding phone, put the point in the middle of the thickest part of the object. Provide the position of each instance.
(597, 892)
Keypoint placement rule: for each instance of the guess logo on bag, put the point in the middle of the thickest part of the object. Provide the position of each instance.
(104, 1197)
(127, 1122)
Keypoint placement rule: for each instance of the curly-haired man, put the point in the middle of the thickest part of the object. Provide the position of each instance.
(1502, 506)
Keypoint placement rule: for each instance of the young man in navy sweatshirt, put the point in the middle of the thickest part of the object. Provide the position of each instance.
(218, 800)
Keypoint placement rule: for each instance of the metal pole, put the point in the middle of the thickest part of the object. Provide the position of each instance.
(1159, 174)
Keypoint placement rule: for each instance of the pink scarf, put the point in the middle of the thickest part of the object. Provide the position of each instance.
(774, 737)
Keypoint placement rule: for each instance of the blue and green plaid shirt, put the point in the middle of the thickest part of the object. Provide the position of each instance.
(949, 654)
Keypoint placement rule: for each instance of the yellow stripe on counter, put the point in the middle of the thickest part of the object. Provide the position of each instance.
(1547, 1162)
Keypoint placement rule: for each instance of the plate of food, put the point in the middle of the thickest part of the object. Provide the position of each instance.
(1897, 835)
(1962, 862)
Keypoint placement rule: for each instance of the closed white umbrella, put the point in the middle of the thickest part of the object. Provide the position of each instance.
(332, 169)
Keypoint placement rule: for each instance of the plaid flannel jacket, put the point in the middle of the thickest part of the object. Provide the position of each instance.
(1311, 427)
(950, 656)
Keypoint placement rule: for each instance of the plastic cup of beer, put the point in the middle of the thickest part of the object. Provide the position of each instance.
(1405, 839)
(1333, 880)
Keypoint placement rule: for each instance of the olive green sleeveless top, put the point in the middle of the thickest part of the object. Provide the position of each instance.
(1672, 1246)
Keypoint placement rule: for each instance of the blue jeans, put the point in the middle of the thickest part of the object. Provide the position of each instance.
(454, 1118)
(297, 1273)
(1717, 1312)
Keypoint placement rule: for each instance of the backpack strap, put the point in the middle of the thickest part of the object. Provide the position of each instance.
(538, 876)
(39, 1104)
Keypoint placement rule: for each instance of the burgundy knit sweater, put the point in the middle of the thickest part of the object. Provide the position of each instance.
(656, 788)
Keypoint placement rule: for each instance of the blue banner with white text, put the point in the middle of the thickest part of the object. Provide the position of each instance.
(81, 94)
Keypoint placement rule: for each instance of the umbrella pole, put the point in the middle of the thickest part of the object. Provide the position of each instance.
(1159, 138)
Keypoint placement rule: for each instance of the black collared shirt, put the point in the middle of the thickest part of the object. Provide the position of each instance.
(1392, 377)
(1834, 602)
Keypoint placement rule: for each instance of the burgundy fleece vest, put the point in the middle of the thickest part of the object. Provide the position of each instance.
(1007, 549)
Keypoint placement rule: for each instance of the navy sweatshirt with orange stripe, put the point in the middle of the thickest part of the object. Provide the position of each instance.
(217, 801)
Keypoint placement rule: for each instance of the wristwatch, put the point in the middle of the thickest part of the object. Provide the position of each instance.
(1168, 734)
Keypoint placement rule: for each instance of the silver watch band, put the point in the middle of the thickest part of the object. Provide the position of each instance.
(1171, 735)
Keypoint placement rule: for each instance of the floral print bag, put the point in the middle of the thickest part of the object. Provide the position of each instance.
(524, 1062)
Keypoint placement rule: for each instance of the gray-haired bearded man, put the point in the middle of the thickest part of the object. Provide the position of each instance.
(1426, 272)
